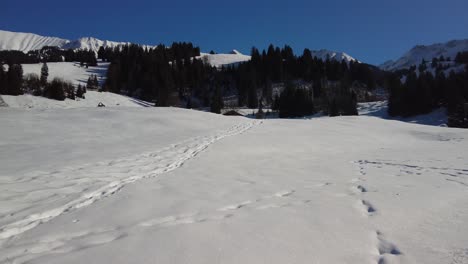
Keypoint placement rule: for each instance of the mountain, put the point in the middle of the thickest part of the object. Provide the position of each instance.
(420, 52)
(92, 44)
(28, 41)
(339, 56)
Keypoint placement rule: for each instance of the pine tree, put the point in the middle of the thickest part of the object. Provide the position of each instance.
(2, 79)
(56, 90)
(15, 79)
(101, 53)
(217, 102)
(80, 91)
(44, 74)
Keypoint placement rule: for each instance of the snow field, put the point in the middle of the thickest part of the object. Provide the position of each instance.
(324, 190)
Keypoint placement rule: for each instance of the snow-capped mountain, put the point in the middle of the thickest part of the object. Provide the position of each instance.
(28, 41)
(92, 44)
(339, 56)
(420, 52)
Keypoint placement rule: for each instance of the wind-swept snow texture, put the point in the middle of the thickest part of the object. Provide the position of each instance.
(420, 52)
(27, 41)
(165, 185)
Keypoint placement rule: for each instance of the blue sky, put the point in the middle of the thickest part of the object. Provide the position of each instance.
(372, 31)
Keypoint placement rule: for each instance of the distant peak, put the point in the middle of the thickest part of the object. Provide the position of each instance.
(236, 52)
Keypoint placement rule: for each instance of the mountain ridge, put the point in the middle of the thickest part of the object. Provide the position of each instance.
(427, 52)
(29, 41)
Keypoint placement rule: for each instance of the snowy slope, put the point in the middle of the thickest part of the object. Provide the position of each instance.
(92, 99)
(166, 185)
(420, 52)
(69, 71)
(218, 60)
(379, 109)
(72, 72)
(27, 41)
(235, 56)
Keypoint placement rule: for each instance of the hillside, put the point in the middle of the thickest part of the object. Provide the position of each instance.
(27, 41)
(220, 59)
(72, 72)
(426, 52)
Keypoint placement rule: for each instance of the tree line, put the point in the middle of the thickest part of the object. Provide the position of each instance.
(48, 54)
(422, 89)
(175, 76)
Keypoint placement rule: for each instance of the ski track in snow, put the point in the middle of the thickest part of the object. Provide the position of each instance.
(112, 175)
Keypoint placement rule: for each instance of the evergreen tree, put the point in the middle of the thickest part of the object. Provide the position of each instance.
(101, 54)
(56, 90)
(217, 101)
(80, 91)
(15, 79)
(3, 79)
(44, 74)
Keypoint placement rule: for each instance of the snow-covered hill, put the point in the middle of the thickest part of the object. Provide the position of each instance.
(28, 41)
(69, 71)
(235, 56)
(420, 52)
(218, 60)
(77, 75)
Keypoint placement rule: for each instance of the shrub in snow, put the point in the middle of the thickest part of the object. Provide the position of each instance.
(32, 84)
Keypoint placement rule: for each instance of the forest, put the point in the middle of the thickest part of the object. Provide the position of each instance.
(276, 77)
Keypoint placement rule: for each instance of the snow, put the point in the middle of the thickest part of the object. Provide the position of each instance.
(92, 44)
(27, 41)
(234, 57)
(420, 52)
(379, 109)
(72, 72)
(218, 60)
(324, 54)
(168, 185)
(92, 99)
(69, 71)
